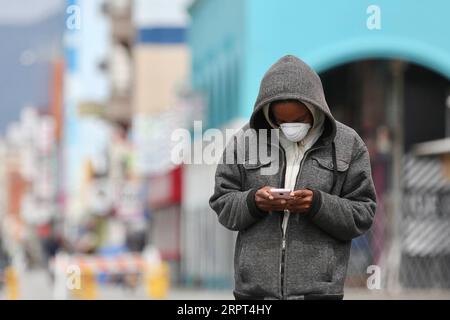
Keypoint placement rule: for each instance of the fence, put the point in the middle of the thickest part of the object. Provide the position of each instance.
(421, 259)
(207, 247)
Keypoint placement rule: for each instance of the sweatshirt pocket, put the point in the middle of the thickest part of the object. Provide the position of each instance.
(259, 173)
(342, 166)
(322, 173)
(309, 266)
(257, 265)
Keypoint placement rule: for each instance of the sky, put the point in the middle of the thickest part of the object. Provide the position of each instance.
(23, 12)
(29, 37)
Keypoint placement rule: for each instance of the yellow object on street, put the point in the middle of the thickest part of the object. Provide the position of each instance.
(11, 284)
(158, 281)
(88, 285)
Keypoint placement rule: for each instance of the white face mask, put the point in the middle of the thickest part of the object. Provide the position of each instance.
(295, 131)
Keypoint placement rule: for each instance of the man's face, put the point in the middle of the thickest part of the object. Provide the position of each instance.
(290, 111)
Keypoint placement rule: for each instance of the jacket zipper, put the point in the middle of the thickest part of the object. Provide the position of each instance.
(283, 246)
(284, 234)
(283, 242)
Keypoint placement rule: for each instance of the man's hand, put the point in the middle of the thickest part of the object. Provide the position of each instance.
(301, 201)
(266, 202)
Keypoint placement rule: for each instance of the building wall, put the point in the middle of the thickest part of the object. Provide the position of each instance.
(84, 82)
(263, 31)
(161, 57)
(161, 65)
(216, 37)
(159, 71)
(327, 33)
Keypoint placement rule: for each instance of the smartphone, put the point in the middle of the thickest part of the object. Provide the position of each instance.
(280, 193)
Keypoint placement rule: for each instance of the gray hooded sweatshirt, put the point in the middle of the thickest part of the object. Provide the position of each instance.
(310, 259)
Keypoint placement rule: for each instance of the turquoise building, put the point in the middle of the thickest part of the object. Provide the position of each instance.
(385, 66)
(233, 42)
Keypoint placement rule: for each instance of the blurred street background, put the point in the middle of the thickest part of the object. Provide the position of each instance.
(92, 205)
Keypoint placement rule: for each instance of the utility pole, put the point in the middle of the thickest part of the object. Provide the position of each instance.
(396, 116)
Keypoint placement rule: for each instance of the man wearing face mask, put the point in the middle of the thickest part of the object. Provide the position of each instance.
(295, 248)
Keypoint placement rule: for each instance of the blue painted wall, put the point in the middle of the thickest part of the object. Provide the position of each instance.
(216, 37)
(324, 33)
(328, 33)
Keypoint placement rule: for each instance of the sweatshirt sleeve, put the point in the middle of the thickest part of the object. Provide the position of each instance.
(350, 215)
(236, 208)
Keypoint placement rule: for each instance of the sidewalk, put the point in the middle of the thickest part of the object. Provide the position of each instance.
(37, 285)
(364, 294)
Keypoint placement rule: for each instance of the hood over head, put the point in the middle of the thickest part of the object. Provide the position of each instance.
(291, 78)
(317, 127)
